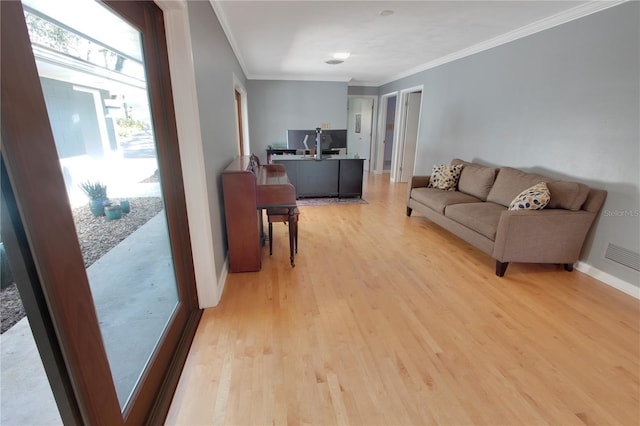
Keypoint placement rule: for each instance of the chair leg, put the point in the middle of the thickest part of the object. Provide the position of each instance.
(291, 240)
(270, 238)
(296, 235)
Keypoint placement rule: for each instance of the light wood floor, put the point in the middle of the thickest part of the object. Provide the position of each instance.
(390, 320)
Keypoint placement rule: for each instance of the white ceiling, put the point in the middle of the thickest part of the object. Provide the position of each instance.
(291, 40)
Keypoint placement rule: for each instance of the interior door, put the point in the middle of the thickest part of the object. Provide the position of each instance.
(86, 99)
(238, 100)
(360, 128)
(410, 140)
(389, 131)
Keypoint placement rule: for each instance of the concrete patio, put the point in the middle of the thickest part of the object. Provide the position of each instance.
(134, 292)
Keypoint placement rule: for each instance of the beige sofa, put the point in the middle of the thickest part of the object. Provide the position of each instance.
(477, 211)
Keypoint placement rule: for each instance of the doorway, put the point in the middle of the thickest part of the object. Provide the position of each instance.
(405, 151)
(387, 131)
(239, 122)
(242, 119)
(122, 322)
(361, 111)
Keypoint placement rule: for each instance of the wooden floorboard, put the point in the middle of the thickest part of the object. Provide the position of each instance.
(391, 320)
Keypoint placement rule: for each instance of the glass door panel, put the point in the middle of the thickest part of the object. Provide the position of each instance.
(26, 396)
(92, 72)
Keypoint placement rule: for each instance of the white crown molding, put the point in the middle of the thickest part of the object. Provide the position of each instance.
(170, 5)
(341, 79)
(222, 18)
(527, 30)
(608, 279)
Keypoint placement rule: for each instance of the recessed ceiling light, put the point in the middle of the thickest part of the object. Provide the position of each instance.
(341, 55)
(387, 12)
(334, 61)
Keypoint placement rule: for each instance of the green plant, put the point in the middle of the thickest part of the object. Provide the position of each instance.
(126, 126)
(94, 190)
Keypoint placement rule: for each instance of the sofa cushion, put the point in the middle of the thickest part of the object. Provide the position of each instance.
(476, 180)
(481, 217)
(534, 198)
(511, 182)
(445, 176)
(567, 195)
(437, 199)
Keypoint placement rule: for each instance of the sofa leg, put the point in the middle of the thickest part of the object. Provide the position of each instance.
(568, 267)
(501, 268)
(409, 210)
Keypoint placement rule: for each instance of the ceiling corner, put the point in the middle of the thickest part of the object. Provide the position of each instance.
(218, 9)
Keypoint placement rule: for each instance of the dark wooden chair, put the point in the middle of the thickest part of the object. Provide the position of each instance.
(281, 214)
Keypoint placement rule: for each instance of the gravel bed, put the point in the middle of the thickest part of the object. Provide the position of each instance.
(97, 235)
(12, 310)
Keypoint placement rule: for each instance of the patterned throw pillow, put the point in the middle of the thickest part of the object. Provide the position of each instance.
(534, 198)
(445, 176)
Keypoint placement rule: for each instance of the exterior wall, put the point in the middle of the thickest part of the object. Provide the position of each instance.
(563, 102)
(74, 120)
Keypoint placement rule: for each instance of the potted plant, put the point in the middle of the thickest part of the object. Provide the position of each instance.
(97, 193)
(126, 206)
(113, 211)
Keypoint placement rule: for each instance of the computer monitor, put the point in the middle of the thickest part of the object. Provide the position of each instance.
(329, 139)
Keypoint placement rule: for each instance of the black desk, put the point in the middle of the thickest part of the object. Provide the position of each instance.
(287, 151)
(337, 176)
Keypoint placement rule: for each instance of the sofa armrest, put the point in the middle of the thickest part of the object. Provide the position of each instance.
(541, 236)
(417, 182)
(595, 200)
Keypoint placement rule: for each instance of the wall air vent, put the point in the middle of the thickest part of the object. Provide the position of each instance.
(623, 256)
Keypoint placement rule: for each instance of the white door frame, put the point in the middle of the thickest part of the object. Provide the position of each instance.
(382, 123)
(237, 86)
(399, 132)
(374, 127)
(185, 97)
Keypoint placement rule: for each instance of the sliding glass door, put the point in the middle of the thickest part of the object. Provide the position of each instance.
(91, 150)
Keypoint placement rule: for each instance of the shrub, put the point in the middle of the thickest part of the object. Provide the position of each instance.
(94, 190)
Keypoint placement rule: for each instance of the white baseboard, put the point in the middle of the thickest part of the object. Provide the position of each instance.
(608, 279)
(222, 280)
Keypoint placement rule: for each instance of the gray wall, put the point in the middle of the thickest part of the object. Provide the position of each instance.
(363, 91)
(563, 102)
(277, 106)
(215, 63)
